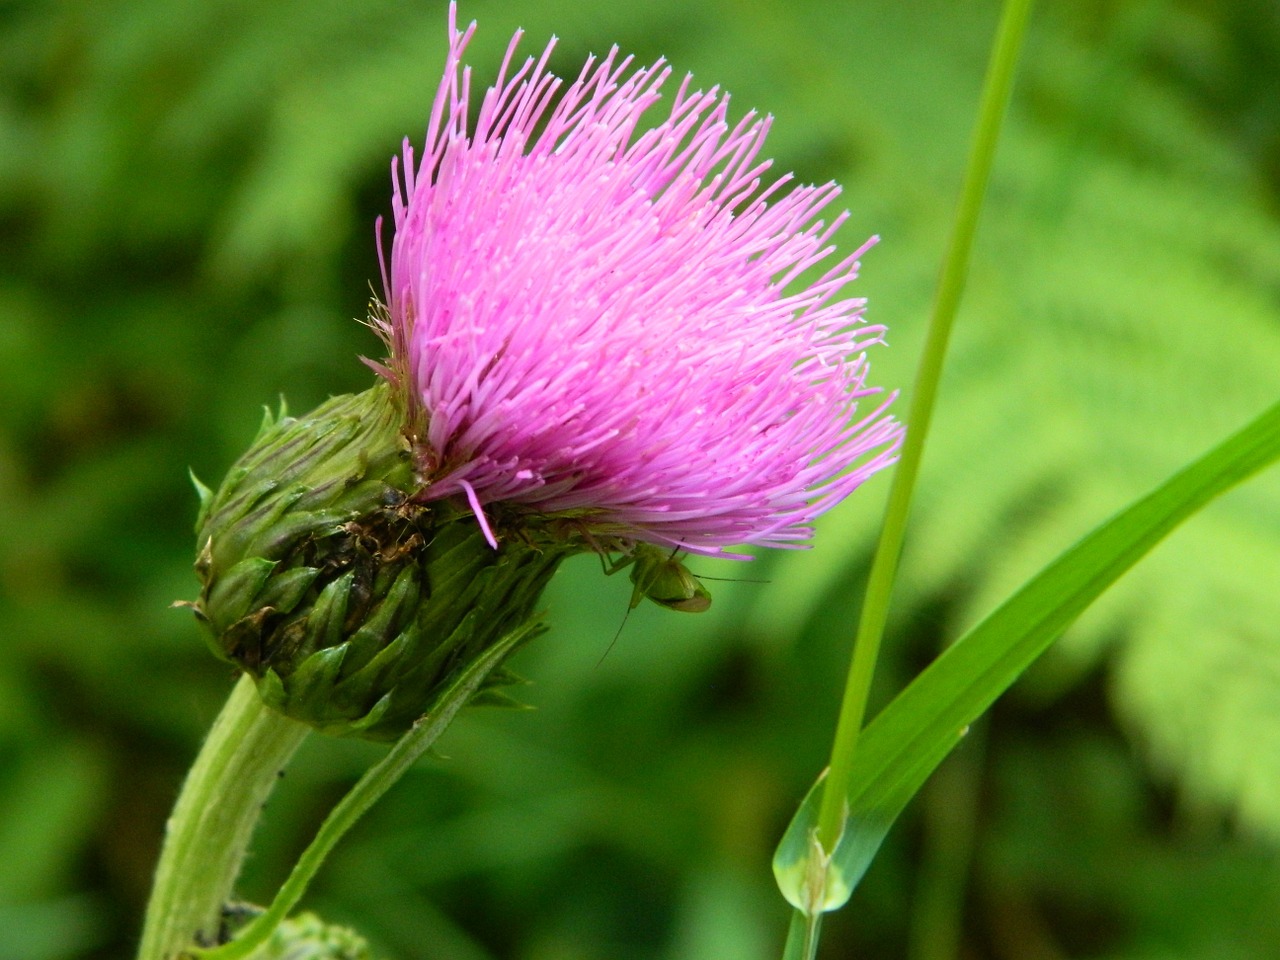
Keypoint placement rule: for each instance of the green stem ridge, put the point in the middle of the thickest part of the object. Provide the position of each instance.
(208, 834)
(995, 98)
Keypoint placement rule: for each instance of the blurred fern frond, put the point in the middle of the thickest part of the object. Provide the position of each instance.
(1123, 313)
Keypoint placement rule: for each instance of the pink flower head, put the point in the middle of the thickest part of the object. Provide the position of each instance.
(592, 320)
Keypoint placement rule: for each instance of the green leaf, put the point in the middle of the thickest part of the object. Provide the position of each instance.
(904, 744)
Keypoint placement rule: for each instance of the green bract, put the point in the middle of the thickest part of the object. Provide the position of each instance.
(307, 937)
(349, 603)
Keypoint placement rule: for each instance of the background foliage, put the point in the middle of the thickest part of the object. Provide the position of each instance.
(187, 191)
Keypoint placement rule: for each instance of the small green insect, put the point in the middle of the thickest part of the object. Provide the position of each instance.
(666, 581)
(660, 576)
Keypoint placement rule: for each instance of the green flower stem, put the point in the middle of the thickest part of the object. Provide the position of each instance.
(955, 267)
(376, 781)
(802, 936)
(208, 833)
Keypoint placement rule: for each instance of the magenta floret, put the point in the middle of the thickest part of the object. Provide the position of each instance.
(623, 324)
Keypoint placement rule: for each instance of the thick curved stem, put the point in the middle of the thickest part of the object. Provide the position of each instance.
(208, 833)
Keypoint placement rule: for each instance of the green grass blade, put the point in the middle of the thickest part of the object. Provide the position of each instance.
(904, 744)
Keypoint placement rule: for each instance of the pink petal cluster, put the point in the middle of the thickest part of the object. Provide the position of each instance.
(607, 322)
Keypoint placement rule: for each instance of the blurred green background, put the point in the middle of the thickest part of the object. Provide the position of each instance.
(187, 196)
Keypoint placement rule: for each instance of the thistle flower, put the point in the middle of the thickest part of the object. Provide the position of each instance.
(599, 339)
(588, 321)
